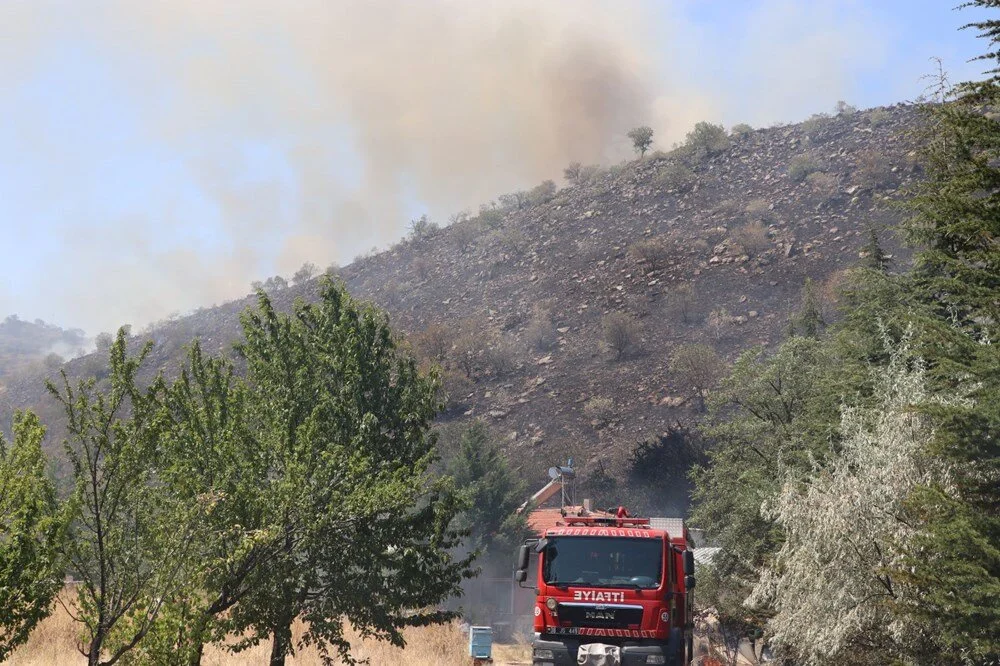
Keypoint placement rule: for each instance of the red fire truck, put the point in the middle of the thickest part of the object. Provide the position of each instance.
(611, 584)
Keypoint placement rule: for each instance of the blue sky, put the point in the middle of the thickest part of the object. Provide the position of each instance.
(153, 162)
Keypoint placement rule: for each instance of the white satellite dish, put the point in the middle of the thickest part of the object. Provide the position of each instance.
(554, 473)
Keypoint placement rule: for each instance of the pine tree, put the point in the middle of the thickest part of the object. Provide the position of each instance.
(955, 288)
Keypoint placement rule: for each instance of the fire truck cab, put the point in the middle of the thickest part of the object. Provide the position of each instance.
(611, 585)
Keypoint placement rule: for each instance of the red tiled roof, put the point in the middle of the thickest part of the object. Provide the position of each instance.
(541, 520)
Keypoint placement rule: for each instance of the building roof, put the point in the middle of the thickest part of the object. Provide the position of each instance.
(542, 520)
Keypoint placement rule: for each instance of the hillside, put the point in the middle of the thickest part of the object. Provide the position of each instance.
(692, 248)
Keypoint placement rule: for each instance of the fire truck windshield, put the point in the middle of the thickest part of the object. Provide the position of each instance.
(603, 562)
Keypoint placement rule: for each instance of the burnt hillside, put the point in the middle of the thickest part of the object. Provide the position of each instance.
(689, 246)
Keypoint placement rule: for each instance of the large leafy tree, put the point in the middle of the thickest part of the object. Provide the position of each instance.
(356, 528)
(129, 539)
(31, 535)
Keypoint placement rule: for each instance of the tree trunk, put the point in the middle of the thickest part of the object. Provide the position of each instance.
(94, 651)
(281, 643)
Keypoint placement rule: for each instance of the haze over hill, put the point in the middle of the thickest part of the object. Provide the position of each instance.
(164, 156)
(709, 245)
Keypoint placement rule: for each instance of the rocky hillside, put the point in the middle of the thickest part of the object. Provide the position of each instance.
(710, 244)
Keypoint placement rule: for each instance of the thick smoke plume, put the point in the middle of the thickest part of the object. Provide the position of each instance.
(314, 129)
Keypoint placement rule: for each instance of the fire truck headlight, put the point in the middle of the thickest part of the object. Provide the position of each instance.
(543, 654)
(655, 659)
(664, 617)
(551, 604)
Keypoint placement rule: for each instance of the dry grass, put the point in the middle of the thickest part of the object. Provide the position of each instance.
(54, 642)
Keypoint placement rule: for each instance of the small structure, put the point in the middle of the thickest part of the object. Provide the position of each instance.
(481, 645)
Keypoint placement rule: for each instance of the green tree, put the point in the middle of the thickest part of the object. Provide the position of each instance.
(642, 139)
(808, 321)
(129, 541)
(32, 528)
(875, 257)
(954, 285)
(363, 532)
(494, 493)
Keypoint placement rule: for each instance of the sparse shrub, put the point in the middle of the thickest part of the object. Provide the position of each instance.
(822, 184)
(877, 117)
(715, 235)
(465, 351)
(814, 126)
(500, 356)
(741, 130)
(844, 109)
(333, 269)
(53, 361)
(642, 139)
(464, 234)
(752, 238)
(490, 217)
(873, 170)
(707, 139)
(801, 166)
(572, 173)
(759, 210)
(698, 368)
(514, 200)
(699, 246)
(720, 322)
(588, 173)
(540, 334)
(729, 207)
(656, 251)
(620, 333)
(456, 387)
(421, 267)
(681, 301)
(391, 293)
(599, 410)
(305, 273)
(422, 227)
(434, 342)
(543, 192)
(674, 176)
(512, 240)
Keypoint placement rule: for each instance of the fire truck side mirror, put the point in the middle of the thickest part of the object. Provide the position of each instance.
(688, 563)
(522, 557)
(520, 575)
(689, 583)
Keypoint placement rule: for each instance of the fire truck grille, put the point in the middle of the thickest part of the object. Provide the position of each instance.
(611, 617)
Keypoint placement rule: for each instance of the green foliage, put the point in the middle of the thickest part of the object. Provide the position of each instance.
(362, 531)
(842, 108)
(493, 493)
(642, 139)
(129, 540)
(305, 273)
(769, 410)
(808, 321)
(674, 176)
(698, 368)
(620, 333)
(801, 166)
(32, 528)
(954, 285)
(741, 130)
(422, 227)
(706, 140)
(543, 192)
